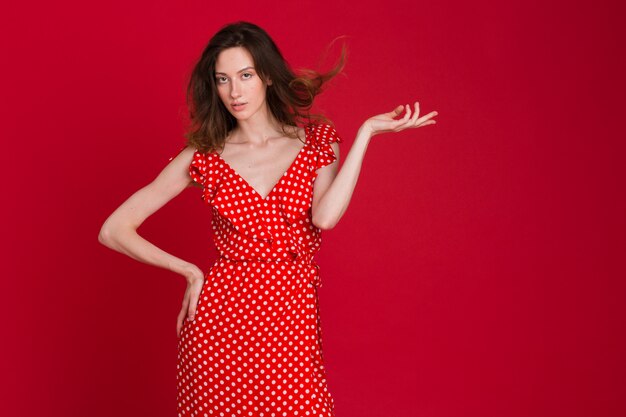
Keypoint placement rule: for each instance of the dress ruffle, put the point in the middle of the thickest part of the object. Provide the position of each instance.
(197, 168)
(204, 171)
(323, 137)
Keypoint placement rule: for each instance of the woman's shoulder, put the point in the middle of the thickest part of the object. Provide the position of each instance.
(299, 132)
(185, 151)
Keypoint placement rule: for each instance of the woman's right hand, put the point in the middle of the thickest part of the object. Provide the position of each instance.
(387, 122)
(195, 281)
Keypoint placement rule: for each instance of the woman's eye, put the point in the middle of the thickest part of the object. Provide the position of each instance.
(247, 74)
(221, 80)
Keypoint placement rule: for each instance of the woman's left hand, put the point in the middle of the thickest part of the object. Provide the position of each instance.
(385, 122)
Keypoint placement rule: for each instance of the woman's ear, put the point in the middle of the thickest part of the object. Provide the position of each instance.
(269, 82)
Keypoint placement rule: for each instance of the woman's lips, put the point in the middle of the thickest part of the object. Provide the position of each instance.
(239, 106)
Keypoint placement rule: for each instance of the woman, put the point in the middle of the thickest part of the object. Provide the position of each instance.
(249, 335)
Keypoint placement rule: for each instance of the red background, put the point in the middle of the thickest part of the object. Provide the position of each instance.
(479, 270)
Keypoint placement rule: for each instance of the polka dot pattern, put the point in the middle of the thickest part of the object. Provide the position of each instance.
(255, 345)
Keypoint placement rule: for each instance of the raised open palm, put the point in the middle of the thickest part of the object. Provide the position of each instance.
(386, 122)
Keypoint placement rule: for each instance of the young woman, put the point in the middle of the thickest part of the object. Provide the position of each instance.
(249, 335)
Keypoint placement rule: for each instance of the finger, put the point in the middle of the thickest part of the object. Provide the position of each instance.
(423, 121)
(426, 123)
(193, 302)
(430, 115)
(395, 112)
(416, 114)
(184, 309)
(180, 321)
(402, 122)
(408, 113)
(414, 119)
(426, 117)
(429, 122)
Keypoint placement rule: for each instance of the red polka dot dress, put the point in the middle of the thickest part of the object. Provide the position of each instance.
(255, 346)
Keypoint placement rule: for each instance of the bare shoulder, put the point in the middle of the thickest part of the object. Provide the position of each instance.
(185, 153)
(176, 172)
(296, 131)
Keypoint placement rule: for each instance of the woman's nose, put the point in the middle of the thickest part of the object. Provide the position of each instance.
(235, 90)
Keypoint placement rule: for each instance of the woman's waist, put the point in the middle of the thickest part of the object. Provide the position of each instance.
(300, 265)
(289, 257)
(237, 248)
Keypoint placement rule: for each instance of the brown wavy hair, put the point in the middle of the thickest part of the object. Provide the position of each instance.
(289, 98)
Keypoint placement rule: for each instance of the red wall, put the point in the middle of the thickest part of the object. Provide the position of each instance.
(479, 270)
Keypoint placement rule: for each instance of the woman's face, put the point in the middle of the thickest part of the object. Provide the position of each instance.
(239, 86)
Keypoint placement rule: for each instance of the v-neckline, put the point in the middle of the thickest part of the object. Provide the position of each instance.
(282, 177)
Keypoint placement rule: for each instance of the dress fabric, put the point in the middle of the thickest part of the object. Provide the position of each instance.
(255, 345)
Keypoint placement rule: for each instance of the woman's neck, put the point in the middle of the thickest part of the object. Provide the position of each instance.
(256, 131)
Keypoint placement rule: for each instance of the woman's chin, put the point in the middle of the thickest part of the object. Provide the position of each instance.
(240, 117)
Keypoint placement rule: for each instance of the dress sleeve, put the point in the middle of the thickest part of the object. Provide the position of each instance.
(325, 135)
(197, 168)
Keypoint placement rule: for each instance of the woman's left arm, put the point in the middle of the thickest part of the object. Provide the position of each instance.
(333, 190)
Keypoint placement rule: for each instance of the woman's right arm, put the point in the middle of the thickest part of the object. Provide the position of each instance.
(119, 231)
